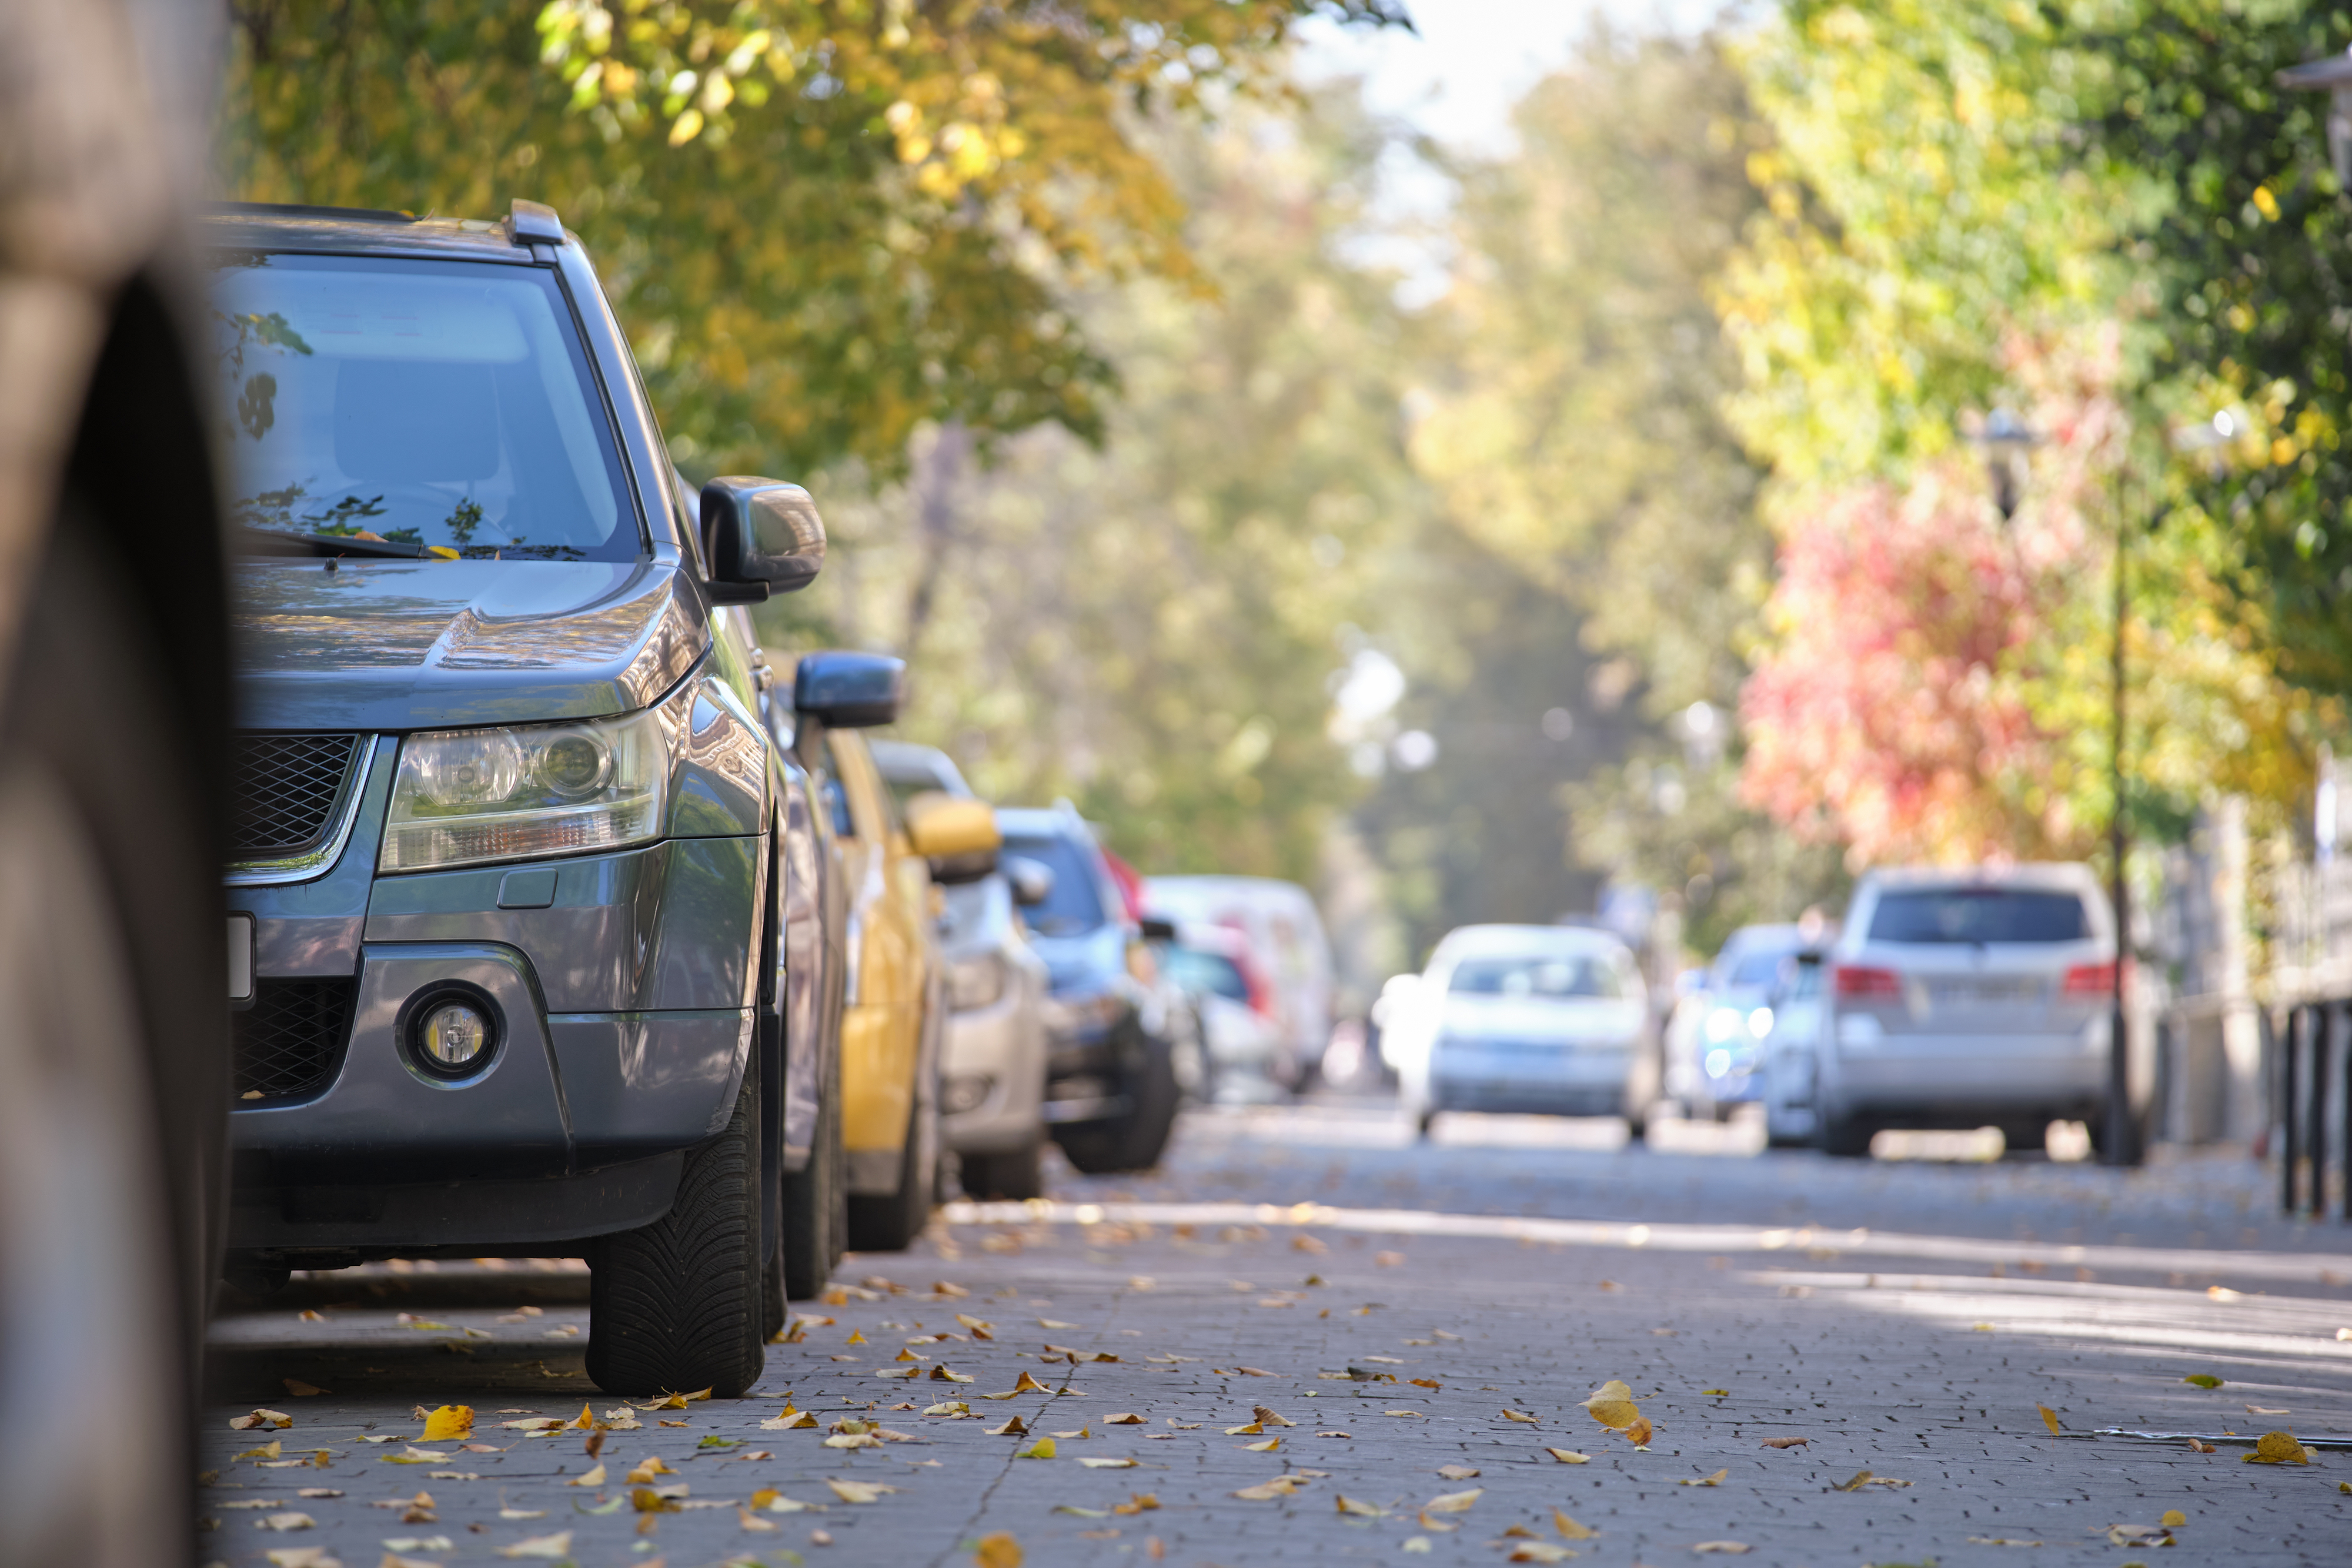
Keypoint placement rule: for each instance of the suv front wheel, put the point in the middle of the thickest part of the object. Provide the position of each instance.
(675, 1307)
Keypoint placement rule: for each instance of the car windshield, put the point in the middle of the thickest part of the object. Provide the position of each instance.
(1548, 977)
(1211, 972)
(1756, 967)
(1977, 914)
(1073, 905)
(441, 406)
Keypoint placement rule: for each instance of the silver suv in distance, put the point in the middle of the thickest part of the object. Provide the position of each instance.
(1966, 998)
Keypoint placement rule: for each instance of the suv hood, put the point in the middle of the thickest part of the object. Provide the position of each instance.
(398, 645)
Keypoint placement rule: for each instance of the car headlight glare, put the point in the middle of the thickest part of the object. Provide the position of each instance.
(467, 796)
(1722, 1023)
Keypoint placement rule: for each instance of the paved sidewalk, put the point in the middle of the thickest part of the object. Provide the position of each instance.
(1919, 1370)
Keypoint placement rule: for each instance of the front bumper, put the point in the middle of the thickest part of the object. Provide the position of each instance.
(620, 994)
(998, 1054)
(1559, 1079)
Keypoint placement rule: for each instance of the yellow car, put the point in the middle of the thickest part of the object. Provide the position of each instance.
(893, 1010)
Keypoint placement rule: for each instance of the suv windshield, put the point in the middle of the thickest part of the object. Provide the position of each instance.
(1073, 905)
(442, 406)
(1977, 914)
(1211, 972)
(1577, 974)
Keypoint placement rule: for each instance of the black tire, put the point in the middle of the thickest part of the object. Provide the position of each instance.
(2025, 1137)
(814, 1217)
(1424, 1123)
(1133, 1142)
(116, 1049)
(889, 1222)
(675, 1306)
(1847, 1138)
(1013, 1176)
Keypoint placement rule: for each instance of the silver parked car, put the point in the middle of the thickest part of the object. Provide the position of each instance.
(992, 1068)
(1966, 998)
(1521, 1017)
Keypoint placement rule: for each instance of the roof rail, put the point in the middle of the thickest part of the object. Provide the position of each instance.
(533, 223)
(305, 210)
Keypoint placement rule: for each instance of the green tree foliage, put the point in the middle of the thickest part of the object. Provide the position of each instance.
(823, 222)
(1574, 428)
(1959, 222)
(2250, 259)
(1151, 627)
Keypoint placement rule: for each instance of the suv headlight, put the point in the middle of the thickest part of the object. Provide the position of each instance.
(465, 795)
(974, 983)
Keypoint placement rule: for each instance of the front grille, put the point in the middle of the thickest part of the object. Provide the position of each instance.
(286, 1042)
(287, 788)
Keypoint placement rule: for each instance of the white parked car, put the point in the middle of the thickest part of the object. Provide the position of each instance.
(1965, 998)
(1520, 1018)
(993, 1062)
(1289, 953)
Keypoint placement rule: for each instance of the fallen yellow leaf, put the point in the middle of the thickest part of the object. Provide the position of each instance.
(1455, 1501)
(1613, 1406)
(1861, 1478)
(1267, 1417)
(1714, 1480)
(1520, 1416)
(1125, 1419)
(1266, 1491)
(647, 1469)
(449, 1422)
(1268, 1446)
(1639, 1433)
(1418, 1544)
(2050, 1419)
(1013, 1427)
(263, 1420)
(1247, 1430)
(1570, 1528)
(1457, 1472)
(858, 1491)
(549, 1547)
(789, 1420)
(1026, 1384)
(1786, 1442)
(856, 1337)
(1094, 1464)
(1361, 1509)
(2173, 1519)
(997, 1551)
(1538, 1552)
(2278, 1448)
(1570, 1455)
(1042, 1448)
(1137, 1502)
(1733, 1547)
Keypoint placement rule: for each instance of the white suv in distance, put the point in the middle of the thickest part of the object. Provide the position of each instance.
(1968, 997)
(1544, 1018)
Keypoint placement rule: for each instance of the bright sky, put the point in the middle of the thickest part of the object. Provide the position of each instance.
(1454, 79)
(1457, 75)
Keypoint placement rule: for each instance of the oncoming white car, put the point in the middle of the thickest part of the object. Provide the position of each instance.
(1544, 1018)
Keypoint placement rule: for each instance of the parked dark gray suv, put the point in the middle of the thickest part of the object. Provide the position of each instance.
(528, 928)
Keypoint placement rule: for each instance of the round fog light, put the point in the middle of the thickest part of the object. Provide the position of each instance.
(454, 1036)
(967, 1093)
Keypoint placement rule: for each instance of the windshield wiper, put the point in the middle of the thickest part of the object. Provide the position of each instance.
(251, 541)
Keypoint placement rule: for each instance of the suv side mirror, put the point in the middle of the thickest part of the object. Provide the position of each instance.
(958, 837)
(761, 536)
(1155, 929)
(842, 690)
(1033, 880)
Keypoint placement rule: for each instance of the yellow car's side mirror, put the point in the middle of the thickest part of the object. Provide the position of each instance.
(958, 837)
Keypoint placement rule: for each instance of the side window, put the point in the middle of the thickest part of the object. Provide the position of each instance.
(836, 800)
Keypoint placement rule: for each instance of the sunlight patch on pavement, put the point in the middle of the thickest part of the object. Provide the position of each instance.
(1980, 1145)
(2129, 1314)
(1664, 1235)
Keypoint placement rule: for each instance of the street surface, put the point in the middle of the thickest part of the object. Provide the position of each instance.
(1427, 1319)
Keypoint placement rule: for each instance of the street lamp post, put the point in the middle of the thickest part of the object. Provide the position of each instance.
(2005, 440)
